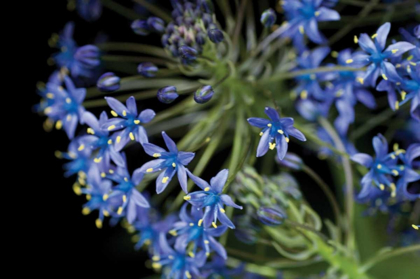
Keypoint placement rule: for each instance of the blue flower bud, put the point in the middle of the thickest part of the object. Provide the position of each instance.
(215, 35)
(147, 69)
(108, 82)
(200, 38)
(206, 5)
(270, 216)
(268, 17)
(204, 94)
(207, 20)
(291, 161)
(140, 27)
(188, 53)
(417, 31)
(167, 94)
(88, 55)
(156, 24)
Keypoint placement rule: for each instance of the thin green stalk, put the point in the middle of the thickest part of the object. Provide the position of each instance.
(135, 59)
(239, 22)
(237, 144)
(372, 123)
(387, 255)
(349, 205)
(155, 10)
(120, 9)
(133, 47)
(358, 3)
(327, 191)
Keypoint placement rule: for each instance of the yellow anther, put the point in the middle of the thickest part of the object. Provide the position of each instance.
(124, 198)
(147, 242)
(110, 141)
(111, 127)
(395, 146)
(394, 50)
(81, 147)
(156, 265)
(207, 254)
(188, 274)
(317, 13)
(173, 232)
(85, 211)
(105, 197)
(90, 131)
(301, 30)
(88, 197)
(97, 160)
(379, 166)
(413, 63)
(68, 100)
(156, 155)
(124, 113)
(415, 227)
(334, 54)
(58, 124)
(114, 113)
(393, 190)
(76, 189)
(355, 39)
(206, 242)
(126, 179)
(187, 198)
(81, 181)
(98, 223)
(395, 172)
(82, 174)
(58, 154)
(191, 254)
(132, 136)
(72, 155)
(191, 224)
(269, 125)
(118, 139)
(165, 179)
(304, 94)
(261, 133)
(397, 65)
(171, 257)
(280, 131)
(111, 171)
(214, 224)
(50, 95)
(403, 94)
(402, 168)
(207, 189)
(374, 36)
(155, 258)
(393, 156)
(222, 210)
(361, 80)
(272, 145)
(397, 105)
(200, 222)
(410, 58)
(173, 165)
(287, 139)
(339, 93)
(68, 117)
(120, 210)
(382, 187)
(349, 61)
(384, 77)
(106, 213)
(136, 121)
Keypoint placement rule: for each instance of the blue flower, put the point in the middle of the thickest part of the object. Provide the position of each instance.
(381, 168)
(67, 107)
(167, 94)
(95, 190)
(89, 10)
(127, 192)
(217, 268)
(127, 120)
(100, 141)
(212, 199)
(309, 84)
(303, 17)
(191, 230)
(80, 61)
(415, 40)
(407, 172)
(376, 56)
(168, 162)
(268, 17)
(278, 130)
(176, 263)
(108, 82)
(147, 69)
(80, 159)
(203, 94)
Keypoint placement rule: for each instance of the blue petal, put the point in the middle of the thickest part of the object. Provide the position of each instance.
(141, 135)
(412, 152)
(389, 70)
(273, 114)
(185, 157)
(281, 146)
(366, 44)
(263, 145)
(318, 55)
(164, 246)
(228, 201)
(182, 178)
(152, 166)
(209, 216)
(216, 232)
(326, 14)
(313, 33)
(139, 199)
(131, 106)
(131, 213)
(380, 145)
(116, 105)
(70, 125)
(137, 176)
(382, 34)
(399, 48)
(163, 179)
(362, 159)
(258, 122)
(198, 181)
(152, 149)
(360, 60)
(124, 135)
(218, 182)
(366, 98)
(169, 143)
(218, 248)
(90, 119)
(146, 115)
(116, 157)
(225, 220)
(292, 131)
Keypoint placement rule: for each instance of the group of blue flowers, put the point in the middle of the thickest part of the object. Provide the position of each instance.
(180, 245)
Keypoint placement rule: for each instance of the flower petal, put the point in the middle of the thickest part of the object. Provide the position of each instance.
(263, 144)
(141, 135)
(197, 180)
(326, 14)
(182, 178)
(152, 166)
(131, 106)
(218, 248)
(292, 131)
(281, 146)
(185, 157)
(169, 143)
(273, 114)
(116, 105)
(366, 44)
(258, 122)
(362, 159)
(380, 145)
(146, 115)
(152, 149)
(218, 182)
(139, 199)
(397, 49)
(163, 179)
(229, 202)
(382, 35)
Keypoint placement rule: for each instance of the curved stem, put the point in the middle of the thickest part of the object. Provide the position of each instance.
(348, 177)
(155, 10)
(384, 256)
(114, 6)
(371, 123)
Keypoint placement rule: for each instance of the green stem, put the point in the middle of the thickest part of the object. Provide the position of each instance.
(358, 3)
(114, 6)
(349, 205)
(155, 10)
(387, 255)
(239, 22)
(372, 123)
(135, 59)
(133, 47)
